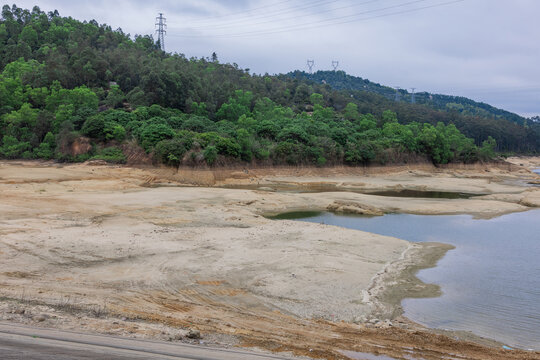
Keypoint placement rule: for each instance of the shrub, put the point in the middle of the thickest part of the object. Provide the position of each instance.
(198, 124)
(12, 148)
(487, 151)
(293, 132)
(210, 155)
(93, 127)
(114, 131)
(228, 147)
(110, 154)
(151, 134)
(171, 152)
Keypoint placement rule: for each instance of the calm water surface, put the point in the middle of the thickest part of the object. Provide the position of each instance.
(490, 282)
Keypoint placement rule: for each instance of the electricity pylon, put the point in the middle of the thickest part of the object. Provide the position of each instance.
(160, 30)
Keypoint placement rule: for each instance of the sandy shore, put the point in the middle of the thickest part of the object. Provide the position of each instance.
(133, 252)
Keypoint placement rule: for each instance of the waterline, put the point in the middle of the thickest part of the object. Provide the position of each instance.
(490, 282)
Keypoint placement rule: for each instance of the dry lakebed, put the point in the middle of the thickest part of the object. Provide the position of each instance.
(176, 255)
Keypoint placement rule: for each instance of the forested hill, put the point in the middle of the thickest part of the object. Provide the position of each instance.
(72, 91)
(342, 81)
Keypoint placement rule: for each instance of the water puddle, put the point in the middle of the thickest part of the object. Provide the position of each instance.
(295, 215)
(318, 188)
(490, 282)
(424, 194)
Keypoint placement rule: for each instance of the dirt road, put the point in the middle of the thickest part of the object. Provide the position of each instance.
(31, 343)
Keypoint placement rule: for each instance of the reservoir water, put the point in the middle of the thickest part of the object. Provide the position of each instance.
(490, 282)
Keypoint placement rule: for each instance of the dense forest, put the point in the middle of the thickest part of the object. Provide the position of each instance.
(74, 91)
(476, 114)
(342, 81)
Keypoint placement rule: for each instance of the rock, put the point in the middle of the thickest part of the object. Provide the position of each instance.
(264, 188)
(40, 318)
(95, 163)
(350, 207)
(193, 334)
(79, 146)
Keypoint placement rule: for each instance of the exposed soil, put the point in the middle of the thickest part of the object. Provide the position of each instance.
(106, 249)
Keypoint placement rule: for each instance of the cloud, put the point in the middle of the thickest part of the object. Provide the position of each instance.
(484, 49)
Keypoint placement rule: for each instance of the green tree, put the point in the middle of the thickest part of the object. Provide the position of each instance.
(351, 112)
(45, 150)
(487, 151)
(12, 148)
(94, 127)
(316, 99)
(172, 151)
(29, 36)
(210, 155)
(115, 97)
(245, 142)
(154, 133)
(238, 105)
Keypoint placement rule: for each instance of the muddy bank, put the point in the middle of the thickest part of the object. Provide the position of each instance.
(398, 280)
(248, 175)
(528, 162)
(151, 260)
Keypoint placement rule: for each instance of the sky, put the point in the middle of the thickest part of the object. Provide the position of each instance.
(487, 50)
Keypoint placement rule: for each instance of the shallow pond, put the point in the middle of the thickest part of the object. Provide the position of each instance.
(316, 188)
(490, 282)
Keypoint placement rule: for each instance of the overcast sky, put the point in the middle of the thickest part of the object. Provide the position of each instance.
(488, 50)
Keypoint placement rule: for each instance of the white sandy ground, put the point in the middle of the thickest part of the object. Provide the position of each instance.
(96, 236)
(96, 226)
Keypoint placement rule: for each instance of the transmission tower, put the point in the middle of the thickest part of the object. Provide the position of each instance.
(160, 30)
(413, 96)
(335, 64)
(310, 64)
(397, 98)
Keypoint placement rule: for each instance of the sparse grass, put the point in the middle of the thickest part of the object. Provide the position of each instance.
(110, 154)
(65, 304)
(99, 311)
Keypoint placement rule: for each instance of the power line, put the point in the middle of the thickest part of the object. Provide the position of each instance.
(245, 11)
(289, 11)
(160, 31)
(332, 19)
(270, 13)
(307, 26)
(310, 24)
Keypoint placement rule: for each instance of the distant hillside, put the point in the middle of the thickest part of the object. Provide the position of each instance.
(342, 81)
(73, 91)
